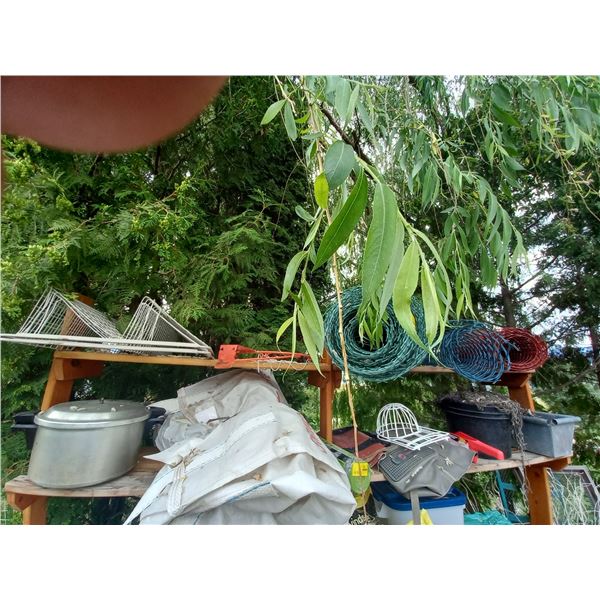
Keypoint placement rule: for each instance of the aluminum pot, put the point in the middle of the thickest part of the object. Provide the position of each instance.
(84, 443)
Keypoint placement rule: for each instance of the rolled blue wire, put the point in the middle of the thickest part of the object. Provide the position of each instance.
(397, 354)
(474, 351)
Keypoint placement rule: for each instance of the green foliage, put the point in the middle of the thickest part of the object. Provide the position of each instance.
(453, 152)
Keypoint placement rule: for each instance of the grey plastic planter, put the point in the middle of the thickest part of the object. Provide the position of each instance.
(549, 434)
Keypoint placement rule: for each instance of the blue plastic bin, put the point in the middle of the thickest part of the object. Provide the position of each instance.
(390, 505)
(549, 434)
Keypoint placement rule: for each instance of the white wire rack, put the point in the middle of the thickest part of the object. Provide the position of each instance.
(56, 315)
(152, 322)
(57, 322)
(397, 424)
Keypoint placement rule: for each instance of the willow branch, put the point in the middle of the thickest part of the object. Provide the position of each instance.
(344, 136)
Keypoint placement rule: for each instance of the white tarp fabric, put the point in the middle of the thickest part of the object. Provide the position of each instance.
(235, 453)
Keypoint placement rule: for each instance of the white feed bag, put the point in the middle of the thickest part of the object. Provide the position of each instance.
(257, 461)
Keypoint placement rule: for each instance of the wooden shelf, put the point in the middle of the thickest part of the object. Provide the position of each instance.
(251, 364)
(212, 362)
(69, 366)
(136, 482)
(132, 484)
(191, 361)
(516, 460)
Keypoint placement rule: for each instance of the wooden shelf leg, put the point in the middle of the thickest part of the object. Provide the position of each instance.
(538, 482)
(62, 376)
(57, 390)
(326, 409)
(35, 513)
(540, 500)
(521, 392)
(327, 385)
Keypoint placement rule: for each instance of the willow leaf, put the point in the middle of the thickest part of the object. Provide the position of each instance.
(365, 118)
(283, 328)
(406, 284)
(321, 191)
(380, 241)
(447, 291)
(290, 124)
(431, 183)
(294, 329)
(392, 272)
(272, 112)
(312, 313)
(488, 273)
(313, 230)
(344, 223)
(307, 331)
(290, 273)
(339, 161)
(431, 306)
(352, 102)
(303, 214)
(342, 98)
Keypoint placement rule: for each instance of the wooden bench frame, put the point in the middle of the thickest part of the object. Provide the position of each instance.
(67, 367)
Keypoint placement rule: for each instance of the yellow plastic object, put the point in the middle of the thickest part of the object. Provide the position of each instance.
(425, 518)
(359, 475)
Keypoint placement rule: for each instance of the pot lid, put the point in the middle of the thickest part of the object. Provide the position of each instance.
(90, 413)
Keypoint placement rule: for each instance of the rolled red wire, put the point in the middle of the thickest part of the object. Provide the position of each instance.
(527, 351)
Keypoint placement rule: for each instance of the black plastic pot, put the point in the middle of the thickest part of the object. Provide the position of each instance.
(23, 421)
(157, 417)
(490, 425)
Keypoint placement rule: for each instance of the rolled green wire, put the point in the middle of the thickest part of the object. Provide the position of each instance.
(397, 354)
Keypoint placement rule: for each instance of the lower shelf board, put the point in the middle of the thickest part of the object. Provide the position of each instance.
(132, 484)
(136, 482)
(517, 459)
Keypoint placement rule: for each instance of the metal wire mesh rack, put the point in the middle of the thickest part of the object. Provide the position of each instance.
(152, 323)
(49, 317)
(58, 322)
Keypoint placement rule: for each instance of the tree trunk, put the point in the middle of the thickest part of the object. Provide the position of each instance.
(507, 304)
(596, 350)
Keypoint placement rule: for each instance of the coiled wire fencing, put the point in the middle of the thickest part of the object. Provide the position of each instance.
(475, 351)
(397, 354)
(527, 351)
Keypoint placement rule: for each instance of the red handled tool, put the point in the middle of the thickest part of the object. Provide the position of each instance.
(229, 353)
(479, 446)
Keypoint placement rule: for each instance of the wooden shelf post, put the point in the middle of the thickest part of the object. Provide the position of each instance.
(327, 384)
(536, 476)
